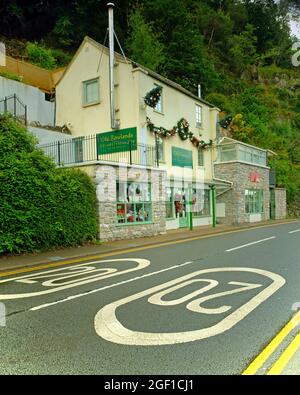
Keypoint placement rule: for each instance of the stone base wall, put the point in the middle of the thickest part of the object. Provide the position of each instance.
(240, 175)
(105, 178)
(280, 203)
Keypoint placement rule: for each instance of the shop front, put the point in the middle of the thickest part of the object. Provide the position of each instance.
(181, 201)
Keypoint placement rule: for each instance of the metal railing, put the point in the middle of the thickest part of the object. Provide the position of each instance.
(90, 149)
(13, 105)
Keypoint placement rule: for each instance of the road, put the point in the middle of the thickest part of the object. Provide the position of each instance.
(205, 306)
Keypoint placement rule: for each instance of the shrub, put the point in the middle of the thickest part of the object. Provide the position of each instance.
(40, 56)
(41, 207)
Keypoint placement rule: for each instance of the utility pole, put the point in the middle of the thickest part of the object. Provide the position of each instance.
(111, 63)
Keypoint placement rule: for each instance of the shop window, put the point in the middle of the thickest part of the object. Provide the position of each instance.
(133, 202)
(169, 203)
(254, 201)
(201, 202)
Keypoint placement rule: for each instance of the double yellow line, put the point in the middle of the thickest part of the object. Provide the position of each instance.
(285, 357)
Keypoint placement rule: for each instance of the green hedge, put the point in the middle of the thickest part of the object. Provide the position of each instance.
(41, 207)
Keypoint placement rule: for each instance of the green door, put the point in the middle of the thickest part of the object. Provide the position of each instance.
(180, 197)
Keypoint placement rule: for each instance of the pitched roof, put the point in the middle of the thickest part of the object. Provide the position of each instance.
(135, 66)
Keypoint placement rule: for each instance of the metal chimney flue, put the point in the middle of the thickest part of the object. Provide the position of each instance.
(111, 63)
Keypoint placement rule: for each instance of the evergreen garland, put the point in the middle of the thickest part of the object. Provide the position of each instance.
(183, 131)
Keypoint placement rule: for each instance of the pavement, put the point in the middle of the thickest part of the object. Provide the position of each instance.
(10, 262)
(212, 301)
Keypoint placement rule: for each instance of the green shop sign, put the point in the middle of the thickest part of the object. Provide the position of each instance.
(117, 141)
(182, 157)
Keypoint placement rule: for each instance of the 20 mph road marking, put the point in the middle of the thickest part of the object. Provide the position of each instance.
(108, 326)
(250, 244)
(107, 287)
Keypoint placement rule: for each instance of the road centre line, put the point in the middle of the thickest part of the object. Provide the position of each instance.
(258, 362)
(250, 244)
(46, 265)
(108, 286)
(285, 357)
(294, 231)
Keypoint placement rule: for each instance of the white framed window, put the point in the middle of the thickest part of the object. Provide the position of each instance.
(159, 105)
(254, 201)
(198, 116)
(200, 157)
(91, 92)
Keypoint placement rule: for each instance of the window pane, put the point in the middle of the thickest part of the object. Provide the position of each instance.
(198, 115)
(200, 157)
(121, 209)
(91, 91)
(144, 212)
(121, 192)
(130, 213)
(254, 201)
(169, 210)
(158, 106)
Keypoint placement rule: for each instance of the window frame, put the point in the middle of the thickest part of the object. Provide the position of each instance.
(206, 208)
(133, 203)
(200, 152)
(171, 202)
(254, 203)
(160, 102)
(84, 87)
(199, 115)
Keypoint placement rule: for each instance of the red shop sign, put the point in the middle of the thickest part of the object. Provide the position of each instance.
(254, 176)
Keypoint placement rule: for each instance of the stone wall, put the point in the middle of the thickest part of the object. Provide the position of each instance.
(240, 174)
(280, 203)
(105, 178)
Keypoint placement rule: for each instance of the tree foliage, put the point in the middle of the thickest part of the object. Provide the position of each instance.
(143, 44)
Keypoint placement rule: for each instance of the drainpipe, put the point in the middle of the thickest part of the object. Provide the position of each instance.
(111, 63)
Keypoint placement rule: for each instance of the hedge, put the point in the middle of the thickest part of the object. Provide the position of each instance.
(41, 207)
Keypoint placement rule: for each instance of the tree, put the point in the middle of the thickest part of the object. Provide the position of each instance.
(243, 49)
(143, 44)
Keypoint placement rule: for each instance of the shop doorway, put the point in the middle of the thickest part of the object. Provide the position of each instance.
(180, 201)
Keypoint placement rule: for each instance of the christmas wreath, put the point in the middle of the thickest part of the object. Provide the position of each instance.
(152, 97)
(183, 129)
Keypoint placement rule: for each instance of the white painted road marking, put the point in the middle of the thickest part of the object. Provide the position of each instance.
(294, 231)
(250, 244)
(111, 329)
(107, 287)
(90, 272)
